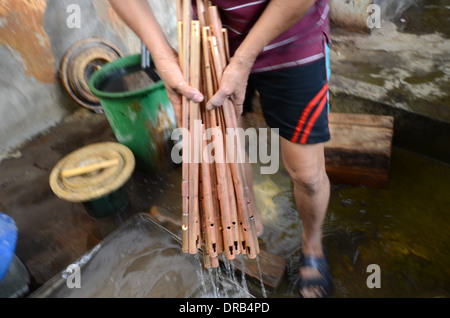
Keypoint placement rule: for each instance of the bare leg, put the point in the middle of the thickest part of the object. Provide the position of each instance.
(306, 166)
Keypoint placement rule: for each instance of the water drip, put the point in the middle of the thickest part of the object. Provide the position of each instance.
(263, 289)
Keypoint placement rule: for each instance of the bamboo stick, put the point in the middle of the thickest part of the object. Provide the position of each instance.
(201, 12)
(210, 118)
(240, 185)
(226, 43)
(206, 31)
(194, 117)
(179, 9)
(208, 208)
(230, 121)
(216, 25)
(222, 186)
(183, 16)
(217, 210)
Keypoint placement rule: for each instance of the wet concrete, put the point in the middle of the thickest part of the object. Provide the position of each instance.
(402, 70)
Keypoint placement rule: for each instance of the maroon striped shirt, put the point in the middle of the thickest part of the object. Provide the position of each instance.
(301, 44)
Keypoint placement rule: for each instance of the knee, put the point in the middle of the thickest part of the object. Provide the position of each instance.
(310, 182)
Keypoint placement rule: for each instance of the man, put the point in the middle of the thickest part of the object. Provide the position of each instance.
(278, 47)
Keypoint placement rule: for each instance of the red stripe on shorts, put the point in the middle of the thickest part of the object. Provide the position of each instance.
(307, 110)
(313, 119)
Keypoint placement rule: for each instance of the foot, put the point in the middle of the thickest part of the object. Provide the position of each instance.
(315, 277)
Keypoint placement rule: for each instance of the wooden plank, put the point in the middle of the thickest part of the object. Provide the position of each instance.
(361, 120)
(359, 151)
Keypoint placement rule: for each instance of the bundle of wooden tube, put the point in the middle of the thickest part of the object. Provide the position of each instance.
(217, 214)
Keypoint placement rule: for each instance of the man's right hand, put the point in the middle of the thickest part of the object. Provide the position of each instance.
(176, 86)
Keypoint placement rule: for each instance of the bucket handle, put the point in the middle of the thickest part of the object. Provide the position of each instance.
(72, 172)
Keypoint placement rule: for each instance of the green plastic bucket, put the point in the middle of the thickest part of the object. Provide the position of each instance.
(138, 111)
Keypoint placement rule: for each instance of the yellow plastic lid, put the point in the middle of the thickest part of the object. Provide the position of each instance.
(92, 172)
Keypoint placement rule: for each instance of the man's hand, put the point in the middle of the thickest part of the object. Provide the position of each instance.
(137, 14)
(278, 17)
(233, 84)
(176, 86)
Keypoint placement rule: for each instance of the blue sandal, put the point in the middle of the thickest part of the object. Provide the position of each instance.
(321, 264)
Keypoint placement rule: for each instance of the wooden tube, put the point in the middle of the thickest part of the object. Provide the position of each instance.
(233, 212)
(212, 123)
(194, 234)
(208, 207)
(226, 44)
(217, 214)
(194, 57)
(182, 7)
(201, 12)
(240, 185)
(216, 59)
(214, 261)
(230, 121)
(236, 168)
(185, 176)
(179, 8)
(255, 235)
(186, 14)
(207, 63)
(180, 44)
(194, 119)
(216, 25)
(222, 187)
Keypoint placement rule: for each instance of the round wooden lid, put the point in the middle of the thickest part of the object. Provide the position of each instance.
(79, 63)
(92, 172)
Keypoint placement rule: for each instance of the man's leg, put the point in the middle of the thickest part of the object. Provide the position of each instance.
(306, 166)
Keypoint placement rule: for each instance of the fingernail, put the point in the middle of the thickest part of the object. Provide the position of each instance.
(198, 98)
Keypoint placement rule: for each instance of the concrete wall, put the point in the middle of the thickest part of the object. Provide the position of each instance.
(354, 14)
(351, 14)
(34, 36)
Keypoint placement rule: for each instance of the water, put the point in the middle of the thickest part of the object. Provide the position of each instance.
(263, 289)
(424, 17)
(143, 260)
(127, 80)
(392, 9)
(403, 228)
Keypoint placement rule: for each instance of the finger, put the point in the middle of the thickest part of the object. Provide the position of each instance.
(239, 108)
(238, 105)
(189, 92)
(217, 100)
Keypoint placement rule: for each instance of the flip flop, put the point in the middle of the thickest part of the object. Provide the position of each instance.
(321, 264)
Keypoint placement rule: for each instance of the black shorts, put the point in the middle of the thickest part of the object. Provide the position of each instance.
(295, 100)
